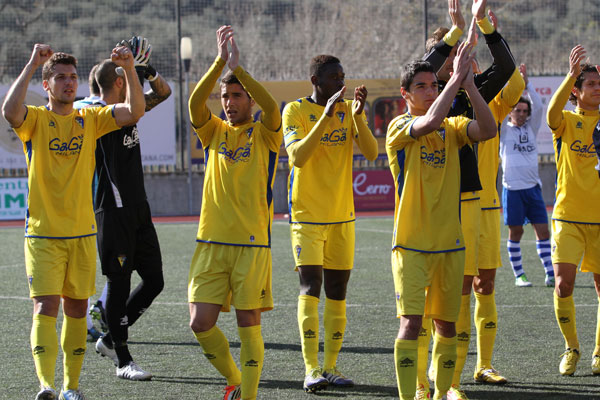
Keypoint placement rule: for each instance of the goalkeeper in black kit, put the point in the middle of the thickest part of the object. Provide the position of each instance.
(127, 240)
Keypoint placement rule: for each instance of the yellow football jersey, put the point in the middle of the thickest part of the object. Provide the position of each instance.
(60, 153)
(488, 152)
(237, 200)
(426, 173)
(578, 187)
(320, 191)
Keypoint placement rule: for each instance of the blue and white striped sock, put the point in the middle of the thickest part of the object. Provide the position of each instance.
(514, 255)
(543, 250)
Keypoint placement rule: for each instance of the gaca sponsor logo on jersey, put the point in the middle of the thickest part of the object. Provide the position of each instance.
(436, 158)
(583, 150)
(72, 147)
(242, 153)
(335, 138)
(133, 140)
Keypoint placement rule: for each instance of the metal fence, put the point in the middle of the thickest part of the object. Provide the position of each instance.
(277, 38)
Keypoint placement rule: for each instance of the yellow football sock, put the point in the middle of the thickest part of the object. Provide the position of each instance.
(72, 338)
(564, 308)
(44, 347)
(597, 348)
(252, 355)
(334, 321)
(423, 352)
(405, 357)
(443, 357)
(308, 322)
(486, 322)
(463, 336)
(216, 350)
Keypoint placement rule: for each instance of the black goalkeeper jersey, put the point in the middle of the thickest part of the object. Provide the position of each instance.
(119, 170)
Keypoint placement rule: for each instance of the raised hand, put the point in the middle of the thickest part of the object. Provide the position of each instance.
(455, 15)
(523, 71)
(333, 100)
(224, 34)
(234, 55)
(463, 61)
(122, 56)
(575, 58)
(41, 53)
(472, 36)
(478, 9)
(360, 98)
(493, 18)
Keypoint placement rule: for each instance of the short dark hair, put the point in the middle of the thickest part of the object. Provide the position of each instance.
(411, 69)
(318, 63)
(106, 75)
(579, 81)
(57, 58)
(230, 78)
(526, 101)
(435, 37)
(93, 84)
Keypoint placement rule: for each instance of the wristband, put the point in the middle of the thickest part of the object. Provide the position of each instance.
(485, 26)
(151, 75)
(451, 38)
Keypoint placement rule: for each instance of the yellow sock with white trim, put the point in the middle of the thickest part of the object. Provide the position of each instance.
(73, 341)
(564, 309)
(216, 350)
(405, 357)
(252, 355)
(463, 336)
(334, 322)
(44, 348)
(486, 322)
(308, 323)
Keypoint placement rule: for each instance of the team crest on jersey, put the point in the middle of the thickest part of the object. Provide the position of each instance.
(241, 153)
(121, 260)
(442, 133)
(298, 250)
(52, 124)
(341, 115)
(79, 120)
(249, 132)
(312, 118)
(579, 125)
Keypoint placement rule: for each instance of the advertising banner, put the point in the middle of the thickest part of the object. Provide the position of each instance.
(13, 198)
(373, 190)
(157, 130)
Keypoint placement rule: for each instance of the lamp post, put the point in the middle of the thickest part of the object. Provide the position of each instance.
(186, 57)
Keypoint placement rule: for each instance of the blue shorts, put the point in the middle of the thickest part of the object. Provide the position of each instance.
(524, 206)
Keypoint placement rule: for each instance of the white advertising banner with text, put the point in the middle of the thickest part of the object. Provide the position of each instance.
(157, 130)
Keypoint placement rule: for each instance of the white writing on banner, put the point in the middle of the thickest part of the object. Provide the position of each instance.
(362, 189)
(156, 127)
(13, 198)
(373, 190)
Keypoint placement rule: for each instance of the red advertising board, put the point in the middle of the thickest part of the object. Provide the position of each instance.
(373, 190)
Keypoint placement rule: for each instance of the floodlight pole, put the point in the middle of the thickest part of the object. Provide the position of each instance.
(186, 58)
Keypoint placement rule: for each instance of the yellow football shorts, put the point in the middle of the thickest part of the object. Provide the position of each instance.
(65, 267)
(573, 243)
(470, 215)
(441, 274)
(489, 240)
(331, 245)
(225, 274)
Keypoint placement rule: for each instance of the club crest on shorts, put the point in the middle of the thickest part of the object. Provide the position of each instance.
(122, 260)
(298, 250)
(30, 279)
(251, 238)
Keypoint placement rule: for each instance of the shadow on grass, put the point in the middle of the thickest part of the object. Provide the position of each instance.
(530, 391)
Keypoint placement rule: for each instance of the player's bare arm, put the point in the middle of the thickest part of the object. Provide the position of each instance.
(484, 127)
(13, 108)
(132, 110)
(301, 150)
(436, 113)
(160, 91)
(365, 139)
